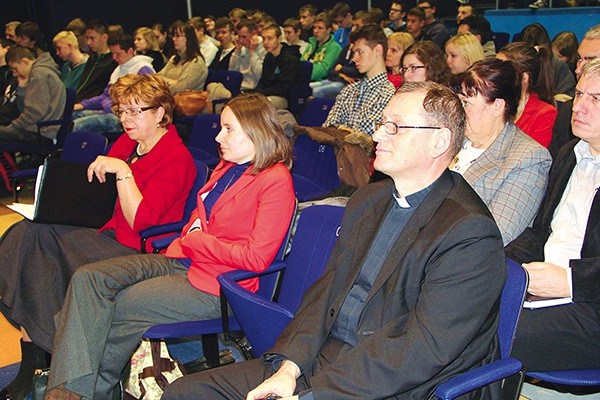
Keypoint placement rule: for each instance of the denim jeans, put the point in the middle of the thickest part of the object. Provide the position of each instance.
(326, 88)
(96, 121)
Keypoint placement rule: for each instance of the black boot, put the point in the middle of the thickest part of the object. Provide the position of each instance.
(32, 358)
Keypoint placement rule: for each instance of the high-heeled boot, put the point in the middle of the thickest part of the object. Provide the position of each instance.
(32, 358)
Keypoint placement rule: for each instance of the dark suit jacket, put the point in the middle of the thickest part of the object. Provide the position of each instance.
(529, 246)
(431, 312)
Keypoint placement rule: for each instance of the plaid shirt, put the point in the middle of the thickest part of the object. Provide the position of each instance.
(361, 103)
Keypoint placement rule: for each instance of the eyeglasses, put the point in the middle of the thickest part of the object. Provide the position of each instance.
(178, 35)
(391, 128)
(132, 112)
(423, 8)
(413, 68)
(395, 10)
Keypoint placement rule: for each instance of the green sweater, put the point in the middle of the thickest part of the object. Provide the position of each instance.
(323, 59)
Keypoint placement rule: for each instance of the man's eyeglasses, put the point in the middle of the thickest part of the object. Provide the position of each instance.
(391, 128)
(412, 68)
(423, 8)
(395, 10)
(132, 112)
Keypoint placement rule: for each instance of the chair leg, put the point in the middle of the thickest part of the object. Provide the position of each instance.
(240, 340)
(511, 387)
(210, 347)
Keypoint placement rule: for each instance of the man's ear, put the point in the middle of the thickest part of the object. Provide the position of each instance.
(442, 140)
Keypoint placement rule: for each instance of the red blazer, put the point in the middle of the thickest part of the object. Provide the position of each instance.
(164, 176)
(246, 227)
(537, 119)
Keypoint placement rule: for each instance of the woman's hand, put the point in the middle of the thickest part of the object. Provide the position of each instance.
(103, 165)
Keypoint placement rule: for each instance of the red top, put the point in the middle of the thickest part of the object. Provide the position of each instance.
(247, 225)
(396, 80)
(164, 176)
(537, 119)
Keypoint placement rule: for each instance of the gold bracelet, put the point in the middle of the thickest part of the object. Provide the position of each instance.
(129, 175)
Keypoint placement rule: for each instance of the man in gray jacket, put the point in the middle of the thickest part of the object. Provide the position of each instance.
(41, 95)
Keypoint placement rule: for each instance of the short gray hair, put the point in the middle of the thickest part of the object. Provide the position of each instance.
(592, 68)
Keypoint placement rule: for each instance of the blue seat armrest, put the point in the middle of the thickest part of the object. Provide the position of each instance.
(153, 231)
(240, 274)
(50, 122)
(478, 378)
(163, 242)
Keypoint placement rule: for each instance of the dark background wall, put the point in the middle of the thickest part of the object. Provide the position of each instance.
(53, 15)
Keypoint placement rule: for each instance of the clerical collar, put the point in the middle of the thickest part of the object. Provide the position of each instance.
(414, 199)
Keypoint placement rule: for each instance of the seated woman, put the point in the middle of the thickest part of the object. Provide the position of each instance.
(537, 112)
(397, 43)
(462, 51)
(154, 173)
(186, 70)
(424, 61)
(242, 216)
(146, 44)
(507, 168)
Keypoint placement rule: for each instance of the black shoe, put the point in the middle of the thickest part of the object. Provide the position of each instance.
(6, 395)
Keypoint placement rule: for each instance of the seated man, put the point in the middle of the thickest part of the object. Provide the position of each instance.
(342, 16)
(322, 49)
(359, 104)
(96, 114)
(480, 27)
(100, 65)
(9, 109)
(306, 16)
(292, 30)
(384, 321)
(561, 251)
(415, 21)
(434, 27)
(396, 15)
(207, 47)
(224, 32)
(67, 48)
(282, 68)
(41, 93)
(248, 54)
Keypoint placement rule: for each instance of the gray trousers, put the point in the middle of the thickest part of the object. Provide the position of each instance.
(108, 307)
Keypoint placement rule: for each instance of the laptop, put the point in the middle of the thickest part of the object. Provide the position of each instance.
(64, 196)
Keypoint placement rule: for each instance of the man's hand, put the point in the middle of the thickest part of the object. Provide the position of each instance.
(254, 42)
(282, 383)
(238, 43)
(78, 107)
(547, 280)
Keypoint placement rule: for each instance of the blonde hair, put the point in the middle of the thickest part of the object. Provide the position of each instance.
(150, 89)
(468, 46)
(148, 37)
(402, 39)
(67, 37)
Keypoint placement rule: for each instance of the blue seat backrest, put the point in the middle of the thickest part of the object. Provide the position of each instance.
(307, 68)
(232, 80)
(315, 237)
(199, 181)
(316, 162)
(316, 112)
(512, 298)
(83, 147)
(204, 131)
(67, 118)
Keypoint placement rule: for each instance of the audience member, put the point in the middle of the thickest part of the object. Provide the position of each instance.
(165, 42)
(116, 30)
(100, 65)
(383, 321)
(507, 168)
(359, 104)
(9, 106)
(344, 72)
(30, 35)
(424, 61)
(307, 14)
(322, 50)
(397, 15)
(40, 95)
(153, 169)
(77, 26)
(145, 44)
(67, 49)
(536, 113)
(248, 54)
(415, 21)
(6, 75)
(292, 30)
(207, 48)
(236, 15)
(564, 47)
(9, 30)
(224, 32)
(209, 24)
(462, 51)
(186, 70)
(564, 82)
(589, 49)
(282, 68)
(561, 250)
(480, 27)
(434, 27)
(252, 183)
(398, 42)
(465, 10)
(96, 114)
(342, 17)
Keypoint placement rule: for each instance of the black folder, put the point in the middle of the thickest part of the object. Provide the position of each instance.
(64, 196)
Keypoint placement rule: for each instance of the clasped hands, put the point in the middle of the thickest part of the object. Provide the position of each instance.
(547, 280)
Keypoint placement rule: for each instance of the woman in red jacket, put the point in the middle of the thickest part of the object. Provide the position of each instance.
(154, 172)
(242, 216)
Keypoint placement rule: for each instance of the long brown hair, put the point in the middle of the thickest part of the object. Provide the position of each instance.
(258, 118)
